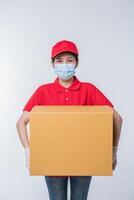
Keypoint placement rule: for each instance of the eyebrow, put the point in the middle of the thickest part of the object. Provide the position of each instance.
(58, 57)
(71, 57)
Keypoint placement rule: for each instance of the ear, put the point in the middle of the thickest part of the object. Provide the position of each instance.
(52, 64)
(77, 63)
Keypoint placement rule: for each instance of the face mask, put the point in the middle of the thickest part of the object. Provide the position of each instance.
(64, 70)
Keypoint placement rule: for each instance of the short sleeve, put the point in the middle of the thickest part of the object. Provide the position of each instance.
(33, 100)
(98, 98)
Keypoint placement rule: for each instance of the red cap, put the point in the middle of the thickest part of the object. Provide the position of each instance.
(63, 46)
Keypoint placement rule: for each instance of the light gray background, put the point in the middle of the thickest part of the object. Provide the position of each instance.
(103, 31)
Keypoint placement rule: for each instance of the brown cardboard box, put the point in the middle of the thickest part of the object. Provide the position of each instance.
(71, 140)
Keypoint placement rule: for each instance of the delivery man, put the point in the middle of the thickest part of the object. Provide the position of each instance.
(67, 89)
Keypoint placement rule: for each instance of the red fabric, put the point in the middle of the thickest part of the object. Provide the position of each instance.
(63, 46)
(78, 93)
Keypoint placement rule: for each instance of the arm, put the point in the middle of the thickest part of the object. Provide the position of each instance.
(22, 122)
(21, 126)
(117, 124)
(23, 135)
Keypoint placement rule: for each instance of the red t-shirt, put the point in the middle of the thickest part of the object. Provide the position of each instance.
(78, 93)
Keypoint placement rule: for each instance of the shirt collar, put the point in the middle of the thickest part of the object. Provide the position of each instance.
(74, 86)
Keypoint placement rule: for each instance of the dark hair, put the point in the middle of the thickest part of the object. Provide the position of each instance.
(76, 56)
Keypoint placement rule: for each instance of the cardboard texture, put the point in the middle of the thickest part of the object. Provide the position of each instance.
(71, 140)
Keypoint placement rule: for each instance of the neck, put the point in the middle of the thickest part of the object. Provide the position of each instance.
(66, 83)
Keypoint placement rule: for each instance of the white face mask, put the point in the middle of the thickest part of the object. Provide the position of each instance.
(64, 70)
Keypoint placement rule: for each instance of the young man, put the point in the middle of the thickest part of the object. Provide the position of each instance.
(67, 90)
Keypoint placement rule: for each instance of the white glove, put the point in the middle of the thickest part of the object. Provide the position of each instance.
(27, 163)
(114, 157)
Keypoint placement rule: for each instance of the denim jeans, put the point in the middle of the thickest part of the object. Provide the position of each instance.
(57, 187)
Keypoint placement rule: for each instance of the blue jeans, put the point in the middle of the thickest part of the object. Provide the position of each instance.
(57, 187)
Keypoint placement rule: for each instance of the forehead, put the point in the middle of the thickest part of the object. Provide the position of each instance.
(64, 54)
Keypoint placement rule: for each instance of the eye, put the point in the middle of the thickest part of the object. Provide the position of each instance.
(58, 61)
